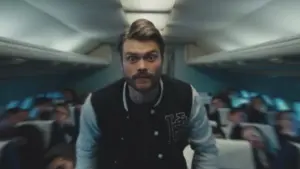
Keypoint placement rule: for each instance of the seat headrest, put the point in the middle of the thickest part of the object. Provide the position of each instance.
(232, 154)
(44, 126)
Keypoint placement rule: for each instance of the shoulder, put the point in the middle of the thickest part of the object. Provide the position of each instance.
(108, 93)
(176, 85)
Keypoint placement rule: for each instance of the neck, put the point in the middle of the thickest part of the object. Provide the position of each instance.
(139, 97)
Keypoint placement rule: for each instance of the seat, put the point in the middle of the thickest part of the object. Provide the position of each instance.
(232, 155)
(268, 131)
(9, 156)
(44, 126)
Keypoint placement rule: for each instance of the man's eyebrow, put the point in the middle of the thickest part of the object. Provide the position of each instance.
(136, 53)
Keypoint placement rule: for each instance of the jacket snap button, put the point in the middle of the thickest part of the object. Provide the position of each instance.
(152, 111)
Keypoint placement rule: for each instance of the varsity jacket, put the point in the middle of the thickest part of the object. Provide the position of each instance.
(115, 133)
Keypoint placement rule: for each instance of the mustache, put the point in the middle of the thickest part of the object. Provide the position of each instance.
(142, 75)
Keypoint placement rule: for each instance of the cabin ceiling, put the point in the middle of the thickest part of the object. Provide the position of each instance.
(220, 25)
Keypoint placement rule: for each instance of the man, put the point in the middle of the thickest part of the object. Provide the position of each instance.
(144, 120)
(256, 112)
(234, 129)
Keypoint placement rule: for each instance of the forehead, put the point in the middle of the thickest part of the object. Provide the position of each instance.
(139, 47)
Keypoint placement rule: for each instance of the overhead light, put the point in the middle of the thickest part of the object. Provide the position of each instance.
(148, 5)
(69, 44)
(158, 19)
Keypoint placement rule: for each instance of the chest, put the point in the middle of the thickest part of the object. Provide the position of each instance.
(166, 123)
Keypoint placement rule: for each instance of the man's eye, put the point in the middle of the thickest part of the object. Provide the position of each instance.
(132, 58)
(151, 57)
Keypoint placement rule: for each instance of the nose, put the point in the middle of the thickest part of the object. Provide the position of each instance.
(142, 67)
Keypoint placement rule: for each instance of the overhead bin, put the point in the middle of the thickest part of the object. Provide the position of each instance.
(18, 50)
(272, 49)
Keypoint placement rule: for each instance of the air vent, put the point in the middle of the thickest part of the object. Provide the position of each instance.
(55, 63)
(241, 63)
(7, 61)
(276, 60)
(291, 60)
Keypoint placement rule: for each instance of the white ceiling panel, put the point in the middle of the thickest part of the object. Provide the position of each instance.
(224, 24)
(273, 21)
(148, 5)
(63, 25)
(91, 17)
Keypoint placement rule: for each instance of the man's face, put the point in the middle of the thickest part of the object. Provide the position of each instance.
(217, 103)
(286, 121)
(258, 104)
(142, 64)
(236, 117)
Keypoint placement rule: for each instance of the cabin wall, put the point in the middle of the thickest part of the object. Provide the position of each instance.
(88, 81)
(287, 88)
(19, 88)
(202, 80)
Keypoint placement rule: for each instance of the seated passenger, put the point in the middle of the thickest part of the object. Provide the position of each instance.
(218, 102)
(11, 117)
(284, 127)
(9, 156)
(61, 156)
(31, 153)
(234, 130)
(44, 108)
(287, 157)
(71, 96)
(63, 130)
(256, 111)
(262, 156)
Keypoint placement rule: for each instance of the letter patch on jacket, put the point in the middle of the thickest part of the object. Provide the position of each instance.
(176, 124)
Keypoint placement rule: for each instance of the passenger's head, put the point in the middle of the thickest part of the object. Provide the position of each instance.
(236, 115)
(60, 156)
(220, 101)
(258, 104)
(70, 95)
(284, 120)
(42, 102)
(142, 49)
(16, 115)
(61, 113)
(45, 108)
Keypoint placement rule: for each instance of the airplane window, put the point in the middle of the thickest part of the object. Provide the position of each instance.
(296, 107)
(281, 105)
(57, 95)
(268, 100)
(49, 95)
(237, 102)
(12, 104)
(245, 94)
(33, 113)
(27, 103)
(252, 94)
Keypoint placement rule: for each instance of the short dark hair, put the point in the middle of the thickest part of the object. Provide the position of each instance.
(13, 111)
(142, 30)
(235, 111)
(281, 113)
(42, 100)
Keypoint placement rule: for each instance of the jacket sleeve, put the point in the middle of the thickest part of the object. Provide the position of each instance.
(202, 140)
(89, 134)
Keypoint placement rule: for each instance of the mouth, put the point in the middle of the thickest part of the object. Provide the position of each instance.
(142, 80)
